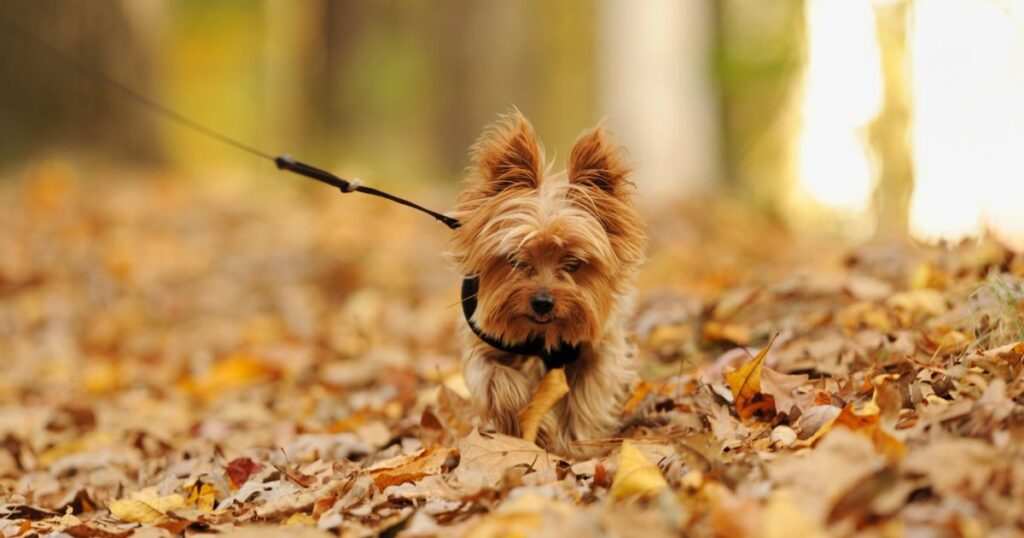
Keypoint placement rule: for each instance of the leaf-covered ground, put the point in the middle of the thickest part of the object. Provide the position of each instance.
(179, 357)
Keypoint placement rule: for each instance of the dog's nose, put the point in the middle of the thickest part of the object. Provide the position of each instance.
(542, 303)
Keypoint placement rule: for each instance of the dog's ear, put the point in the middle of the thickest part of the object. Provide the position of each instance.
(595, 162)
(508, 155)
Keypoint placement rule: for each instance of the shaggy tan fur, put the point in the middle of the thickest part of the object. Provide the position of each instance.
(575, 235)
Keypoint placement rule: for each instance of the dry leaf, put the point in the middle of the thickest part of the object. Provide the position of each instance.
(522, 516)
(733, 333)
(784, 518)
(552, 387)
(485, 458)
(454, 411)
(146, 507)
(781, 387)
(868, 421)
(300, 519)
(230, 373)
(203, 495)
(636, 475)
(239, 470)
(745, 384)
(410, 467)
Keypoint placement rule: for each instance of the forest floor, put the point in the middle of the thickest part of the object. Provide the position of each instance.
(186, 357)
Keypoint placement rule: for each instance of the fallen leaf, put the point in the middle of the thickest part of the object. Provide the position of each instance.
(89, 531)
(410, 467)
(781, 387)
(239, 470)
(300, 519)
(817, 478)
(866, 288)
(552, 387)
(866, 421)
(203, 495)
(485, 458)
(954, 466)
(146, 507)
(230, 373)
(745, 384)
(914, 305)
(636, 475)
(733, 333)
(784, 518)
(815, 423)
(521, 516)
(640, 393)
(454, 411)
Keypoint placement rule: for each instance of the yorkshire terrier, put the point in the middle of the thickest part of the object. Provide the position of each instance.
(551, 261)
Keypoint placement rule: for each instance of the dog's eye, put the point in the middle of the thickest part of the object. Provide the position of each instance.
(572, 265)
(517, 263)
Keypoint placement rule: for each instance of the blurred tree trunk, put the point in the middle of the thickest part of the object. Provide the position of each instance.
(890, 133)
(759, 59)
(44, 104)
(654, 86)
(297, 74)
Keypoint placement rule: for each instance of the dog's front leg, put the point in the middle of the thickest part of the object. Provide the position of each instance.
(599, 382)
(499, 390)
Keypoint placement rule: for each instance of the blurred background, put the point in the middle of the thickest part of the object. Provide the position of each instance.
(871, 119)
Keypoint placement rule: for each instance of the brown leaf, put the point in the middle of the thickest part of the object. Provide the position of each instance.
(485, 457)
(867, 421)
(454, 411)
(88, 531)
(733, 333)
(410, 467)
(745, 383)
(781, 388)
(239, 470)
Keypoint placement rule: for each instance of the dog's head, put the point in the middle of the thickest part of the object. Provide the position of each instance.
(553, 252)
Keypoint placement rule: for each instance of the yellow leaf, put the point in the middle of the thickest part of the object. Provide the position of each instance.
(101, 377)
(784, 518)
(735, 333)
(300, 519)
(146, 507)
(745, 383)
(90, 441)
(521, 516)
(230, 373)
(203, 496)
(136, 511)
(636, 476)
(639, 394)
(866, 421)
(552, 387)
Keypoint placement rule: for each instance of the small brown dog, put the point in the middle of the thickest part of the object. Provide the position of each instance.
(551, 261)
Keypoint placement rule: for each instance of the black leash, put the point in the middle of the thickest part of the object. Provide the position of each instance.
(286, 162)
(283, 162)
(553, 358)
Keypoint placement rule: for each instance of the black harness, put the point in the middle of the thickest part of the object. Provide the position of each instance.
(554, 358)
